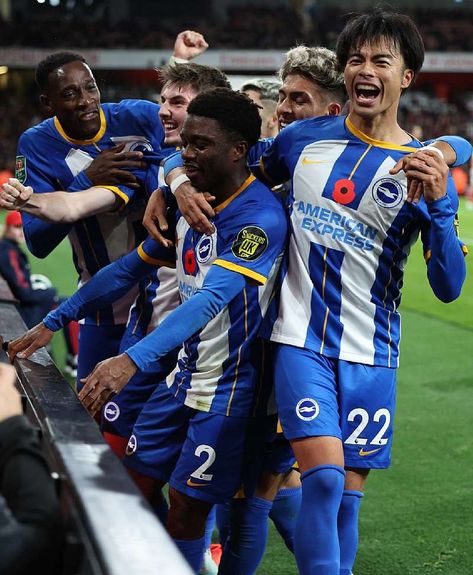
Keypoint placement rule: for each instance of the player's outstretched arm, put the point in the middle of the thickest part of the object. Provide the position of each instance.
(58, 207)
(110, 376)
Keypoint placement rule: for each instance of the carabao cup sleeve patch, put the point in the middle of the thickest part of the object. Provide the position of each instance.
(20, 169)
(250, 243)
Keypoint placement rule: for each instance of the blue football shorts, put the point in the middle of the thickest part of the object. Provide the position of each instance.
(120, 414)
(96, 343)
(197, 453)
(320, 396)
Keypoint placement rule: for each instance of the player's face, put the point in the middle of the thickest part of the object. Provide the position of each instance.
(207, 153)
(375, 75)
(254, 95)
(173, 111)
(300, 98)
(74, 98)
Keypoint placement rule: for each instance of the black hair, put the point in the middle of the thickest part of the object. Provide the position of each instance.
(53, 62)
(237, 114)
(198, 76)
(382, 23)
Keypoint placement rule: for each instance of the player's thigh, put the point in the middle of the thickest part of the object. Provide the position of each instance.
(306, 393)
(210, 464)
(158, 435)
(367, 397)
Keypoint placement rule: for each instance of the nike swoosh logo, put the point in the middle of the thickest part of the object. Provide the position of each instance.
(364, 453)
(192, 484)
(306, 161)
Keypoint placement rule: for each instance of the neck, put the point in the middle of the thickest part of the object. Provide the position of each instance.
(382, 127)
(230, 184)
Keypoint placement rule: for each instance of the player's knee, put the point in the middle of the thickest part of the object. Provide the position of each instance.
(187, 515)
(325, 480)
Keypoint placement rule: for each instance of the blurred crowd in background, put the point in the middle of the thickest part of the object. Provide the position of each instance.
(243, 26)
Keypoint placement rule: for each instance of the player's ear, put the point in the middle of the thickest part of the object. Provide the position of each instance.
(334, 109)
(407, 77)
(240, 149)
(45, 101)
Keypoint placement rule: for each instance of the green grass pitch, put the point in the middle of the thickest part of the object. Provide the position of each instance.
(417, 517)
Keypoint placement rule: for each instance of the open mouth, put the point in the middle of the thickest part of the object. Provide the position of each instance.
(366, 93)
(169, 126)
(191, 170)
(88, 116)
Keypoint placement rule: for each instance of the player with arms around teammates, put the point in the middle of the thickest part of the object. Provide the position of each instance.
(337, 328)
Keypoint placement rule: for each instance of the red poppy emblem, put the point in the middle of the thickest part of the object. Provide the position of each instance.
(344, 192)
(190, 265)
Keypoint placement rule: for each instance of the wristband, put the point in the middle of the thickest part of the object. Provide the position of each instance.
(173, 60)
(436, 150)
(180, 179)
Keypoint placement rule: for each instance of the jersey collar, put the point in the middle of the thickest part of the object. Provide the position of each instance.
(98, 136)
(244, 185)
(372, 142)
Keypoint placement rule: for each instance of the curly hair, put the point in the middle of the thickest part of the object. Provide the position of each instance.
(53, 62)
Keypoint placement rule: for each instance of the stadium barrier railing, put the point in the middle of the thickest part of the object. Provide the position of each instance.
(109, 527)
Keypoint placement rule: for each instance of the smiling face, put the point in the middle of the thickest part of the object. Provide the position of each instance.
(72, 95)
(173, 111)
(209, 154)
(375, 76)
(301, 98)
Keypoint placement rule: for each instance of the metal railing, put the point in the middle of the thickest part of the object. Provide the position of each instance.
(109, 527)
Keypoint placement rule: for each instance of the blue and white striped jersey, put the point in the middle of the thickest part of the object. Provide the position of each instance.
(351, 232)
(217, 369)
(49, 160)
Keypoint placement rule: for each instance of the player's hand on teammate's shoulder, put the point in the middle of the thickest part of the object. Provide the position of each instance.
(108, 378)
(426, 172)
(189, 45)
(112, 167)
(23, 346)
(154, 219)
(195, 208)
(14, 195)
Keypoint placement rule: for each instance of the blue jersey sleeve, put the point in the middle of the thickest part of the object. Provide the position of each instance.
(107, 285)
(463, 148)
(273, 166)
(258, 149)
(171, 162)
(219, 288)
(33, 170)
(443, 250)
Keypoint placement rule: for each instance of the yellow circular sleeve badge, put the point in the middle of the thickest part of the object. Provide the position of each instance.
(250, 243)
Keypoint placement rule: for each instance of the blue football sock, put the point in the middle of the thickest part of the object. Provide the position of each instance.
(248, 534)
(348, 529)
(193, 551)
(316, 545)
(284, 513)
(209, 527)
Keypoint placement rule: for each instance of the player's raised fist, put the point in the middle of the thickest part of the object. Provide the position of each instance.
(189, 44)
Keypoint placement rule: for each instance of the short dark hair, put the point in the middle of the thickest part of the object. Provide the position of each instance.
(382, 23)
(237, 114)
(53, 62)
(198, 76)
